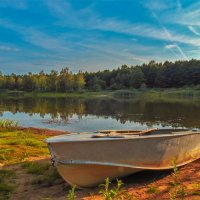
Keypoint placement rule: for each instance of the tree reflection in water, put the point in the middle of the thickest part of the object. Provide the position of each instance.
(142, 111)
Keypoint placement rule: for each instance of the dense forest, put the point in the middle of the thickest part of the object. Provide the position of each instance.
(151, 75)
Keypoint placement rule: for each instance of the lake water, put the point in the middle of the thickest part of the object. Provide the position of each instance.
(76, 114)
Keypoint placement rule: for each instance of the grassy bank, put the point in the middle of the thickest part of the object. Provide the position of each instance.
(192, 93)
(162, 95)
(81, 94)
(86, 94)
(24, 162)
(17, 146)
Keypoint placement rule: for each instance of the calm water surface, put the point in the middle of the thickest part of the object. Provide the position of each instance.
(75, 114)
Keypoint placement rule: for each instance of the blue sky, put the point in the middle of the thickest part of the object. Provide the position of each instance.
(94, 35)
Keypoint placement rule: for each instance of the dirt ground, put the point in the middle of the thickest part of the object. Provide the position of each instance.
(151, 185)
(143, 185)
(48, 132)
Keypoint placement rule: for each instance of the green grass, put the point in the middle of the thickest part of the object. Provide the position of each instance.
(8, 150)
(46, 177)
(170, 95)
(83, 94)
(189, 93)
(151, 190)
(23, 141)
(152, 94)
(35, 168)
(52, 176)
(126, 93)
(17, 146)
(6, 123)
(5, 153)
(7, 186)
(6, 92)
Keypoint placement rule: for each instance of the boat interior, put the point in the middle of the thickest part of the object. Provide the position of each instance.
(117, 134)
(125, 133)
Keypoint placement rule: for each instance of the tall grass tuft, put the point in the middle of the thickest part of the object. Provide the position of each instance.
(7, 123)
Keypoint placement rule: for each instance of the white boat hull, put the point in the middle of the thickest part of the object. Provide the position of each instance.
(88, 161)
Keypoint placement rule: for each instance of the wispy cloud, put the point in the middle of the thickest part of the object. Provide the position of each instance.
(84, 35)
(193, 30)
(158, 5)
(35, 36)
(89, 20)
(182, 15)
(100, 53)
(67, 15)
(108, 50)
(171, 37)
(7, 48)
(171, 46)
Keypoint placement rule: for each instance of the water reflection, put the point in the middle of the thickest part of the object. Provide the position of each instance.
(63, 111)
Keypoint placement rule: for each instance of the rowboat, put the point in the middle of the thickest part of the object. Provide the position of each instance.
(87, 159)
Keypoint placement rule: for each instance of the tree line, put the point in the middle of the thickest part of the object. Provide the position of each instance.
(44, 82)
(150, 75)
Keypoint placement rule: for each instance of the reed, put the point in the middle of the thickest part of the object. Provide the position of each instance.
(7, 123)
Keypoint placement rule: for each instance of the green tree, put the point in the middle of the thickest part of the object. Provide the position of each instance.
(10, 82)
(19, 83)
(136, 77)
(2, 80)
(79, 81)
(42, 81)
(30, 82)
(52, 81)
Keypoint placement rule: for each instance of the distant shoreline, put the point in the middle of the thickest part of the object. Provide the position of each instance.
(150, 93)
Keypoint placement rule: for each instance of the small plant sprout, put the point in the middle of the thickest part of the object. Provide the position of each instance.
(105, 191)
(151, 190)
(181, 192)
(175, 174)
(178, 190)
(71, 193)
(117, 192)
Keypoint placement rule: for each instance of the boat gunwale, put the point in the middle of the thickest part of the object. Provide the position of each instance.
(63, 139)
